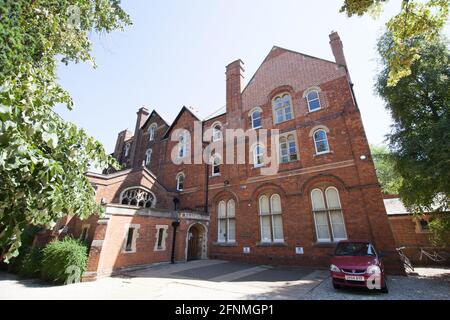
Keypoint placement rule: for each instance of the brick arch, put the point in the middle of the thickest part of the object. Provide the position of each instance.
(329, 179)
(265, 187)
(225, 195)
(281, 89)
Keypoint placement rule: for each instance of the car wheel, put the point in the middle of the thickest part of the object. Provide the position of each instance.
(336, 286)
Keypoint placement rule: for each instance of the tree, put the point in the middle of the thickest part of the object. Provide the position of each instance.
(43, 158)
(420, 139)
(415, 19)
(389, 179)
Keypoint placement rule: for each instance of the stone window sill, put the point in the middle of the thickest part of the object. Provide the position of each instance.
(323, 154)
(325, 244)
(225, 244)
(271, 244)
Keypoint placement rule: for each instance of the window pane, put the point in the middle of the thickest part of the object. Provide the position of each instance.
(221, 210)
(314, 105)
(337, 225)
(288, 113)
(280, 116)
(275, 202)
(263, 205)
(265, 229)
(332, 198)
(231, 230)
(230, 209)
(317, 200)
(322, 230)
(320, 135)
(277, 227)
(322, 146)
(312, 95)
(222, 229)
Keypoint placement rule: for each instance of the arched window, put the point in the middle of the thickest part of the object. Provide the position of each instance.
(288, 149)
(217, 132)
(137, 197)
(328, 216)
(270, 217)
(126, 150)
(313, 100)
(321, 141)
(148, 156)
(215, 165)
(152, 131)
(282, 108)
(180, 181)
(258, 156)
(226, 213)
(256, 119)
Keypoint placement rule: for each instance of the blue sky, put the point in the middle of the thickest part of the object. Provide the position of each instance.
(175, 54)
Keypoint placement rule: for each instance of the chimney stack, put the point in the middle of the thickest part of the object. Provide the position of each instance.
(142, 116)
(337, 48)
(234, 74)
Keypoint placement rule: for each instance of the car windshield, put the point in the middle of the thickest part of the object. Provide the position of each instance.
(354, 249)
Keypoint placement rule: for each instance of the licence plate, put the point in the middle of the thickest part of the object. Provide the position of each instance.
(354, 278)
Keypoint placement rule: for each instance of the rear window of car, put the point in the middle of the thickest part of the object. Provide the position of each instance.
(355, 249)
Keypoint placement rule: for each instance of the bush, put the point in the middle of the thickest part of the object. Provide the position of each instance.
(63, 260)
(26, 239)
(31, 263)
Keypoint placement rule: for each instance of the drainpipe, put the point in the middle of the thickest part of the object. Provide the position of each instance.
(175, 225)
(207, 187)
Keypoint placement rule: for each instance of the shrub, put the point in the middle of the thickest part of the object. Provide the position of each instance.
(31, 263)
(64, 259)
(26, 239)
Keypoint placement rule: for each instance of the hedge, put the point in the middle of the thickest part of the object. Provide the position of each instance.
(64, 261)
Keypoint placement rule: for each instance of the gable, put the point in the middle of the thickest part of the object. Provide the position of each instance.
(184, 117)
(283, 67)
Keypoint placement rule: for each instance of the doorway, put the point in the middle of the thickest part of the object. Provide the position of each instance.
(196, 238)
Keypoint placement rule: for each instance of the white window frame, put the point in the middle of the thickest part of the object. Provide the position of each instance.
(327, 211)
(252, 118)
(182, 145)
(326, 140)
(227, 218)
(271, 214)
(148, 157)
(286, 137)
(126, 150)
(216, 133)
(283, 108)
(178, 177)
(257, 155)
(213, 165)
(308, 101)
(152, 131)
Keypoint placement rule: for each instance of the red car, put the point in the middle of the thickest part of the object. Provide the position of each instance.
(357, 264)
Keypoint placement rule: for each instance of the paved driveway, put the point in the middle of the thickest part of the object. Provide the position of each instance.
(222, 280)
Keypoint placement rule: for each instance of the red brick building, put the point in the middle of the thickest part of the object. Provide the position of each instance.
(324, 190)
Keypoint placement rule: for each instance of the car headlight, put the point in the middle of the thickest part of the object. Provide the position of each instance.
(334, 268)
(373, 270)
